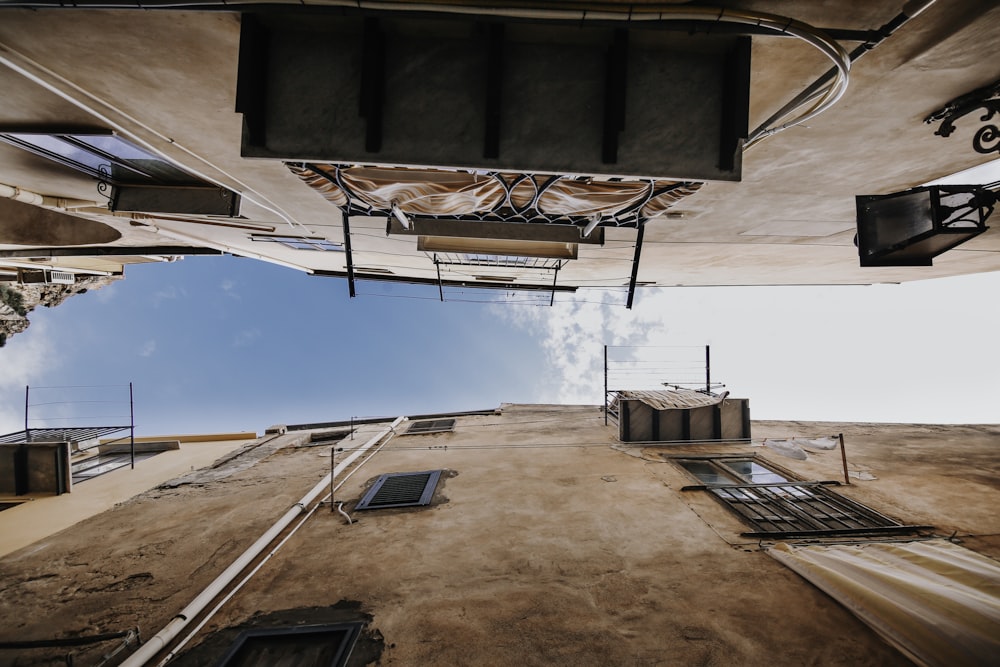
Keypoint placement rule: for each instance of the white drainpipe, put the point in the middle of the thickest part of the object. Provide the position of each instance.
(28, 197)
(162, 638)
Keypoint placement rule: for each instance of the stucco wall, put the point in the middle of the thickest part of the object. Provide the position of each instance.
(547, 543)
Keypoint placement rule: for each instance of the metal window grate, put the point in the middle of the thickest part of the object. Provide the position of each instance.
(802, 509)
(98, 465)
(65, 434)
(401, 489)
(431, 426)
(300, 242)
(777, 505)
(302, 646)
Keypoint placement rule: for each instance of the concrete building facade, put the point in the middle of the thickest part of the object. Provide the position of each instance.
(620, 146)
(543, 539)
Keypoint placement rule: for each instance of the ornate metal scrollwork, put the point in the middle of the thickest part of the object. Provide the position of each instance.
(987, 138)
(104, 182)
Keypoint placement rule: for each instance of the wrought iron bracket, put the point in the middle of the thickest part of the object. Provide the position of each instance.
(987, 138)
(104, 183)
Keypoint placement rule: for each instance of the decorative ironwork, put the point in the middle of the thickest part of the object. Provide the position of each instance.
(987, 138)
(507, 210)
(104, 183)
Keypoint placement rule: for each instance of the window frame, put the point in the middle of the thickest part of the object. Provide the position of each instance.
(426, 493)
(80, 470)
(130, 172)
(444, 425)
(351, 633)
(306, 243)
(791, 508)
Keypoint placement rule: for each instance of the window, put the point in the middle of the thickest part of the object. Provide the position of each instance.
(302, 646)
(96, 466)
(301, 242)
(778, 505)
(138, 177)
(431, 426)
(104, 156)
(401, 489)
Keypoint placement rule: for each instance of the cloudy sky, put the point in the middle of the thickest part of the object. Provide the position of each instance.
(222, 343)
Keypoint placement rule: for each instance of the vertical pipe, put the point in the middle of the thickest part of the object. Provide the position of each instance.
(169, 632)
(333, 468)
(708, 370)
(131, 416)
(843, 457)
(606, 385)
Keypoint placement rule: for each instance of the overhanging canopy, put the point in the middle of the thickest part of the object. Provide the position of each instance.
(937, 602)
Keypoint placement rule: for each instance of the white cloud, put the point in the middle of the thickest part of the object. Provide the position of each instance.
(26, 359)
(880, 353)
(168, 292)
(27, 356)
(229, 288)
(573, 335)
(148, 348)
(246, 337)
(106, 294)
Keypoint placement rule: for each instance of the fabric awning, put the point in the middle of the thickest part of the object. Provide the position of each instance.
(439, 192)
(671, 399)
(935, 601)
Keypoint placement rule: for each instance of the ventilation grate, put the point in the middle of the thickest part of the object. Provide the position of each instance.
(401, 489)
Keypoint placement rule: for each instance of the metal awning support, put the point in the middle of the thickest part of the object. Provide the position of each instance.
(437, 265)
(555, 277)
(635, 265)
(350, 257)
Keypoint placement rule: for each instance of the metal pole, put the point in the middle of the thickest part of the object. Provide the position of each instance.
(843, 456)
(131, 416)
(26, 434)
(708, 370)
(635, 267)
(605, 385)
(333, 467)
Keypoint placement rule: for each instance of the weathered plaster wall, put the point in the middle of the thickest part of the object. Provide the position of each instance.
(548, 543)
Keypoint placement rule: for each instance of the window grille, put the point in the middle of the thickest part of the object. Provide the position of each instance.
(401, 489)
(300, 242)
(98, 465)
(302, 646)
(431, 426)
(105, 156)
(778, 506)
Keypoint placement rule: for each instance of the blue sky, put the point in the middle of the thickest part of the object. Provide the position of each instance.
(223, 343)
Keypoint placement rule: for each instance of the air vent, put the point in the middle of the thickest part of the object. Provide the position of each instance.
(61, 277)
(401, 489)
